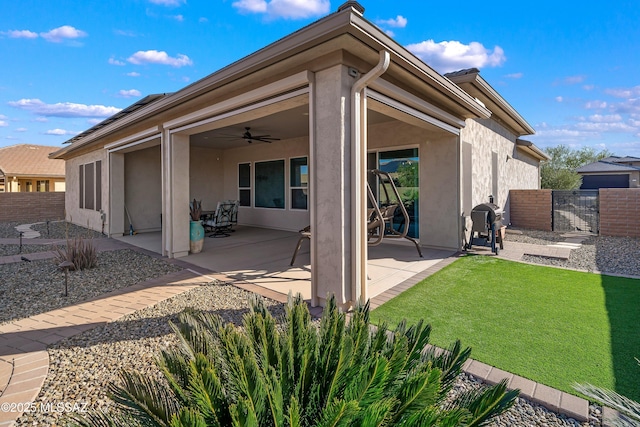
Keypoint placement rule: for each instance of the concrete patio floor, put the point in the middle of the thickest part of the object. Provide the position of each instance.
(261, 256)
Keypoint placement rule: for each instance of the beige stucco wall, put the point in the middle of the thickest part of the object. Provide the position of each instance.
(282, 219)
(85, 217)
(437, 151)
(206, 176)
(143, 188)
(515, 170)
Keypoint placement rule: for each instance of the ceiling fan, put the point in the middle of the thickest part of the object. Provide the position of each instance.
(261, 138)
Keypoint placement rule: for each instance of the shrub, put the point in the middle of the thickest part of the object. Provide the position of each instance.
(81, 252)
(299, 374)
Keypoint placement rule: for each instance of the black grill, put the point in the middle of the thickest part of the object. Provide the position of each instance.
(487, 221)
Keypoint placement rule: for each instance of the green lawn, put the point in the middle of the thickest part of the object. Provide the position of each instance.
(553, 326)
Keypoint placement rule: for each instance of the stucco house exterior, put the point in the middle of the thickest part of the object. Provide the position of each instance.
(28, 168)
(611, 172)
(341, 97)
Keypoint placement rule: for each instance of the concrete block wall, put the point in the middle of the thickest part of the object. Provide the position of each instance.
(31, 207)
(620, 212)
(531, 209)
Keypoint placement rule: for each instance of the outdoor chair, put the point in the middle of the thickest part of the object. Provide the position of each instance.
(225, 216)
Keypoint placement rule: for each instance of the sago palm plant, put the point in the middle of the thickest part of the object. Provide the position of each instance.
(295, 373)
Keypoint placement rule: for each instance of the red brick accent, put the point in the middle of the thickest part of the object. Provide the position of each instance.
(531, 209)
(25, 207)
(620, 212)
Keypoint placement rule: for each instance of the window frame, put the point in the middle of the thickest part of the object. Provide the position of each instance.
(284, 183)
(292, 187)
(90, 185)
(248, 188)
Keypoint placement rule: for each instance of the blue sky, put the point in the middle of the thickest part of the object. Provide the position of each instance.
(572, 69)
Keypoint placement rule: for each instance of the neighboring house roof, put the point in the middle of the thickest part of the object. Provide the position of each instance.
(345, 31)
(631, 161)
(472, 83)
(28, 160)
(603, 166)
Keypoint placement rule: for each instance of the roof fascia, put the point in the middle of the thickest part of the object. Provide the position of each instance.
(504, 108)
(345, 21)
(530, 148)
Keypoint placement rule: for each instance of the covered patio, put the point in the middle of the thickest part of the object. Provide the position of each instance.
(261, 256)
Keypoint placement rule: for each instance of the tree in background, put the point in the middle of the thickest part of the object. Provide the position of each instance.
(559, 173)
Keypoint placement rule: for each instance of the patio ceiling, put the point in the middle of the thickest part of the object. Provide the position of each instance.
(287, 124)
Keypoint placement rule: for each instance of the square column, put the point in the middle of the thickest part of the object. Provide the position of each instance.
(116, 217)
(332, 241)
(175, 218)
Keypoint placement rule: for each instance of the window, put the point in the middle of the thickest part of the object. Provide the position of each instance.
(269, 184)
(244, 184)
(299, 182)
(29, 186)
(90, 179)
(42, 186)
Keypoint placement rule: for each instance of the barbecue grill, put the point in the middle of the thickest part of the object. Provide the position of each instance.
(487, 221)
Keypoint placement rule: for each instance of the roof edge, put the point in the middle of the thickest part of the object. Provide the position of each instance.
(531, 148)
(473, 77)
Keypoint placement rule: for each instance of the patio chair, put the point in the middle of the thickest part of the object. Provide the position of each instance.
(305, 233)
(223, 219)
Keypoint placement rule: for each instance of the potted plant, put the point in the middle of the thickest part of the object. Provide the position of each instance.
(196, 230)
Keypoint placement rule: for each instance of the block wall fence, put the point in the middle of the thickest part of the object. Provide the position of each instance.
(619, 210)
(31, 207)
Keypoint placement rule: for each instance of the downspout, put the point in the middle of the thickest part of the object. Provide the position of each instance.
(359, 175)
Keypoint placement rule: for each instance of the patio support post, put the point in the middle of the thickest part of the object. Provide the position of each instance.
(178, 221)
(117, 194)
(330, 163)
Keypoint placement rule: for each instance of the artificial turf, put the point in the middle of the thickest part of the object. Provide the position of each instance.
(553, 326)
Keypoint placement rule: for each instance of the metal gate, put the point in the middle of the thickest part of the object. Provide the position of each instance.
(576, 210)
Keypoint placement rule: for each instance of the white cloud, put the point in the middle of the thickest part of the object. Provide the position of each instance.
(397, 22)
(59, 34)
(559, 99)
(64, 109)
(41, 119)
(624, 93)
(588, 87)
(390, 33)
(129, 93)
(126, 33)
(20, 34)
(287, 9)
(4, 123)
(114, 61)
(58, 131)
(171, 3)
(21, 129)
(515, 76)
(595, 105)
(178, 18)
(572, 80)
(453, 55)
(159, 57)
(133, 74)
(94, 121)
(610, 118)
(203, 20)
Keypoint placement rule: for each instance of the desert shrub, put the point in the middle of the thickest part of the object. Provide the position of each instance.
(80, 251)
(298, 374)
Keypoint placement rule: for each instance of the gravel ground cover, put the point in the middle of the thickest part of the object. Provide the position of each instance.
(82, 367)
(615, 255)
(8, 250)
(30, 288)
(55, 230)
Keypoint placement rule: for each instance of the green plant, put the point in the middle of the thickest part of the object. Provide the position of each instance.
(337, 373)
(629, 409)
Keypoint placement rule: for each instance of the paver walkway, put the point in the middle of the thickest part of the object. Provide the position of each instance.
(24, 360)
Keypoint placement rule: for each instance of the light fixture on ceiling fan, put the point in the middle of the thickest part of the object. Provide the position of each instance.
(261, 138)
